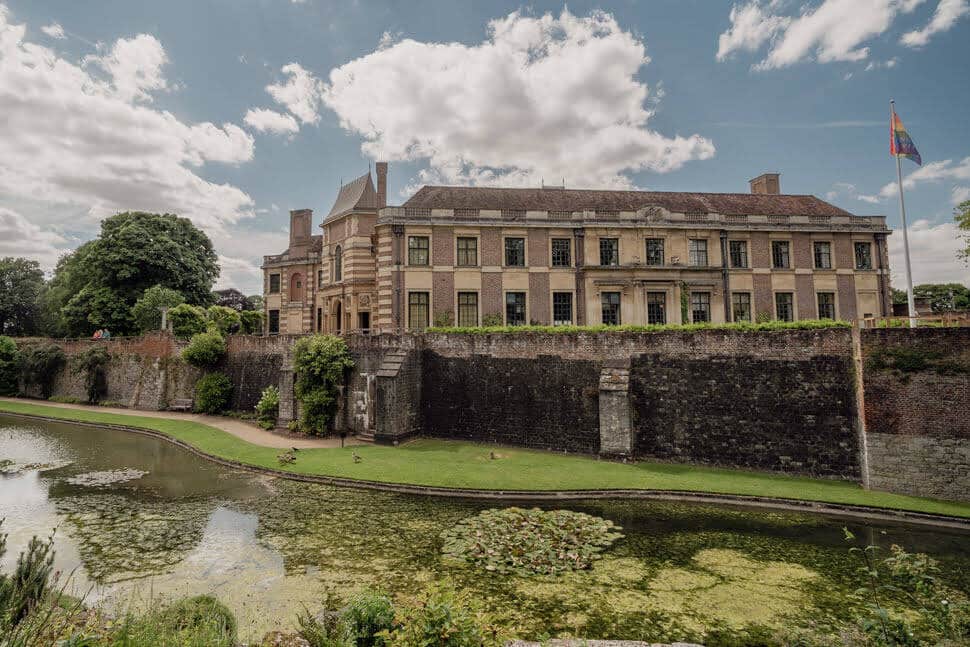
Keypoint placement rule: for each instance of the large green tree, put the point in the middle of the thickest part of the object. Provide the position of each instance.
(944, 297)
(21, 287)
(97, 285)
(962, 215)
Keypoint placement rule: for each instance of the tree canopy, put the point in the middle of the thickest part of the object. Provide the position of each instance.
(962, 215)
(943, 297)
(21, 287)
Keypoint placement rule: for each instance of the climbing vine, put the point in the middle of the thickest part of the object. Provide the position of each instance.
(684, 302)
(41, 365)
(321, 363)
(92, 364)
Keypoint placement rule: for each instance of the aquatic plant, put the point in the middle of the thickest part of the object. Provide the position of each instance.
(529, 542)
(106, 478)
(443, 618)
(321, 363)
(213, 393)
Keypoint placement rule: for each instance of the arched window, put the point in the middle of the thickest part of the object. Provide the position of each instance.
(296, 287)
(337, 264)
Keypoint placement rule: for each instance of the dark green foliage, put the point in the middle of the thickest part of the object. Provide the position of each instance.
(213, 393)
(806, 324)
(321, 363)
(40, 365)
(95, 308)
(21, 287)
(325, 629)
(254, 302)
(912, 359)
(492, 320)
(368, 614)
(9, 366)
(961, 214)
(21, 591)
(201, 611)
(684, 301)
(93, 363)
(251, 321)
(442, 619)
(225, 320)
(205, 349)
(187, 320)
(268, 407)
(147, 309)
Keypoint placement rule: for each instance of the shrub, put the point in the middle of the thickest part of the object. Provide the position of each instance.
(268, 407)
(40, 366)
(492, 319)
(147, 309)
(443, 319)
(200, 620)
(251, 321)
(213, 392)
(9, 366)
(186, 320)
(21, 591)
(92, 364)
(320, 362)
(368, 614)
(442, 619)
(225, 320)
(205, 349)
(326, 629)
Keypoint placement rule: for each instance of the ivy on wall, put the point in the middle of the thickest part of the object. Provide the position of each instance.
(321, 363)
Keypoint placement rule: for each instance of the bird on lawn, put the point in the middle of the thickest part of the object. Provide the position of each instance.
(357, 457)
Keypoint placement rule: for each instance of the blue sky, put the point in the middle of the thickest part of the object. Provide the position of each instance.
(114, 105)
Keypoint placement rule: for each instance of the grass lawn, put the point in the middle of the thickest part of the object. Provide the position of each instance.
(445, 463)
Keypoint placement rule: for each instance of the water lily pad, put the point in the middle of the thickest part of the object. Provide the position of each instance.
(530, 542)
(109, 477)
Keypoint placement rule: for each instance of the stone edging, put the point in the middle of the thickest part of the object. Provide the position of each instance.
(773, 503)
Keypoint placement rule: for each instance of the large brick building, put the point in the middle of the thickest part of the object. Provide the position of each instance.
(471, 256)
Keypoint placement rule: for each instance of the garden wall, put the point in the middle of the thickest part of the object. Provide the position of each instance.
(917, 390)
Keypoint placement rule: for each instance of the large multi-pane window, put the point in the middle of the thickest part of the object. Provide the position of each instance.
(467, 252)
(656, 307)
(468, 309)
(274, 283)
(338, 264)
(700, 307)
(823, 256)
(561, 256)
(826, 305)
(562, 308)
(738, 252)
(418, 250)
(655, 251)
(863, 256)
(697, 251)
(784, 306)
(419, 310)
(780, 254)
(611, 308)
(741, 306)
(515, 252)
(515, 308)
(609, 251)
(274, 322)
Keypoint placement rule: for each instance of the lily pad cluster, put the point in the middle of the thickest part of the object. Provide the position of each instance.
(530, 542)
(106, 478)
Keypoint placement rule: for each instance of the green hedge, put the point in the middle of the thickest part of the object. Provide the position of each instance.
(807, 324)
(213, 393)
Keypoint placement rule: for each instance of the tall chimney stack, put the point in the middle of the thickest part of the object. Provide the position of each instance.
(769, 183)
(382, 183)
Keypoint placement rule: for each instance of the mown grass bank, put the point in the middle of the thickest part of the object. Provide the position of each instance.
(456, 464)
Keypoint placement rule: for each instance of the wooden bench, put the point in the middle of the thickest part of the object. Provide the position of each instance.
(180, 404)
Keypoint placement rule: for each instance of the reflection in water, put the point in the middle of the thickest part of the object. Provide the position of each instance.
(267, 546)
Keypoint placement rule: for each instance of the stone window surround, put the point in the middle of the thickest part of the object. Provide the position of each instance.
(666, 301)
(525, 250)
(771, 251)
(855, 255)
(569, 242)
(745, 253)
(831, 254)
(599, 248)
(279, 283)
(663, 250)
(618, 304)
(428, 321)
(750, 295)
(794, 304)
(427, 250)
(691, 253)
(552, 305)
(835, 302)
(478, 306)
(709, 302)
(478, 249)
(505, 304)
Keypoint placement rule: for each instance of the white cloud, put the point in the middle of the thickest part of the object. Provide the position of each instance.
(833, 30)
(542, 97)
(947, 13)
(751, 27)
(54, 30)
(845, 189)
(270, 121)
(81, 138)
(20, 237)
(943, 171)
(299, 93)
(933, 251)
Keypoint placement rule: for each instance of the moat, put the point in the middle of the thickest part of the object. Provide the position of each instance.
(137, 517)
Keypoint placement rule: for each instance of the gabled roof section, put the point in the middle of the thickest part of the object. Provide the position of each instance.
(557, 199)
(356, 194)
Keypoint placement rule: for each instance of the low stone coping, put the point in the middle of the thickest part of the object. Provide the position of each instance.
(774, 503)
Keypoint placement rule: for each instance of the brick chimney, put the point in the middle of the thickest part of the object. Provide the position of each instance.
(300, 220)
(382, 183)
(766, 183)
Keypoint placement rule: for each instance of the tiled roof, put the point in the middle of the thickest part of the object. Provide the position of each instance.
(356, 194)
(555, 199)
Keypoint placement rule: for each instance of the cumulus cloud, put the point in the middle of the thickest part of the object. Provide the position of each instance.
(20, 237)
(542, 97)
(958, 173)
(299, 93)
(54, 30)
(848, 190)
(77, 138)
(832, 30)
(947, 13)
(270, 121)
(933, 251)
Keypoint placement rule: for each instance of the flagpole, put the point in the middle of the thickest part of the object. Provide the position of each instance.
(902, 212)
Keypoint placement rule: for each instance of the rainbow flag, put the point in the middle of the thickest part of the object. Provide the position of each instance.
(900, 143)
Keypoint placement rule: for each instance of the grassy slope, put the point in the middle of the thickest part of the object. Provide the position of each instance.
(467, 465)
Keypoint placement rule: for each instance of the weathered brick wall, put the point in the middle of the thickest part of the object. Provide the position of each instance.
(253, 363)
(917, 386)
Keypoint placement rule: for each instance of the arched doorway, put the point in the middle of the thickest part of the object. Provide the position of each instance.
(339, 314)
